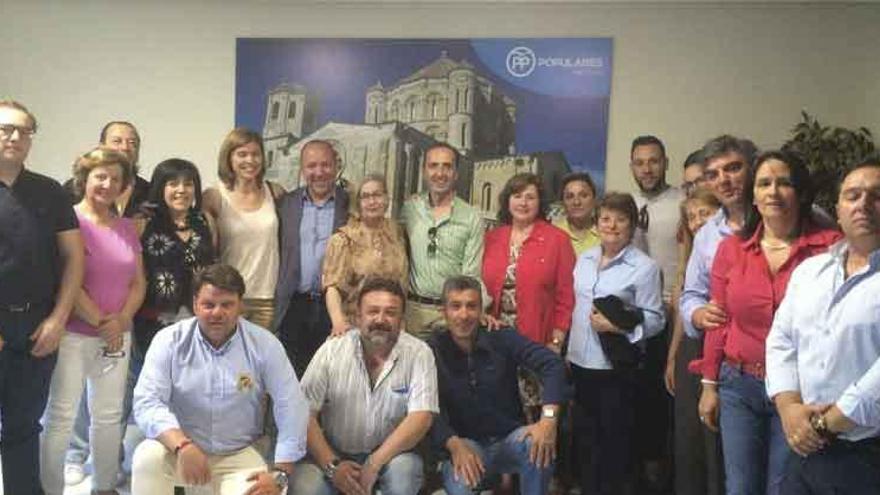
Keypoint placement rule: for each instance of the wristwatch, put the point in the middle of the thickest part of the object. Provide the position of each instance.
(330, 469)
(281, 478)
(549, 412)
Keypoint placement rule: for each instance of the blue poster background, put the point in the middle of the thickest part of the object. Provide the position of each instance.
(561, 86)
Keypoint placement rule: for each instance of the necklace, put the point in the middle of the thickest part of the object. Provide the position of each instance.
(775, 246)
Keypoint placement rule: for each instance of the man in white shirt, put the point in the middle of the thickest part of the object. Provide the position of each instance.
(823, 353)
(373, 394)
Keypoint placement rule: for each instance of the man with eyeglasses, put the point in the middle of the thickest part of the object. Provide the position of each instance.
(41, 271)
(308, 216)
(659, 212)
(445, 239)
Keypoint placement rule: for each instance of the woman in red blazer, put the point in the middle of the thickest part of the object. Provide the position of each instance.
(528, 265)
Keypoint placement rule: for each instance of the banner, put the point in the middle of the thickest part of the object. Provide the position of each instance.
(508, 105)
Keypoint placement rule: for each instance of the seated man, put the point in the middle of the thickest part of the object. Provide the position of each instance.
(200, 399)
(373, 394)
(481, 422)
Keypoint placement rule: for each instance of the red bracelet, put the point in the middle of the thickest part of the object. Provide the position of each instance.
(182, 446)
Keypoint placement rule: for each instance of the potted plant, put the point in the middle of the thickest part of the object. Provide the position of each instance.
(828, 152)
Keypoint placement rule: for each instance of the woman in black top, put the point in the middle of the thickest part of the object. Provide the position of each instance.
(177, 240)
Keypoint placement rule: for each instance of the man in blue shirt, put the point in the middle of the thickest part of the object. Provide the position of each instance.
(200, 399)
(308, 216)
(823, 353)
(481, 422)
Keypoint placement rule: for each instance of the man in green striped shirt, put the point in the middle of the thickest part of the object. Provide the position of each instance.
(445, 239)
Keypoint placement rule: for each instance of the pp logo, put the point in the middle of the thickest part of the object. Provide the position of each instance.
(521, 61)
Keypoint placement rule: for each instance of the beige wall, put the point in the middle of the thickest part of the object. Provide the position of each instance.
(684, 72)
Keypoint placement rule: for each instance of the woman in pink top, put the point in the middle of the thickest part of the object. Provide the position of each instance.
(94, 351)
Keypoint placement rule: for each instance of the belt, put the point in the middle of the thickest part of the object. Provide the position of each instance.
(757, 370)
(308, 296)
(424, 300)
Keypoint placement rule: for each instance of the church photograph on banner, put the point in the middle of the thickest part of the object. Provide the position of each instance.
(507, 105)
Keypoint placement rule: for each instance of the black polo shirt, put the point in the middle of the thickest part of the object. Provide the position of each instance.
(32, 211)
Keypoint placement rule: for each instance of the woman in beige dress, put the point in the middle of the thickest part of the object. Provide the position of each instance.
(368, 245)
(243, 205)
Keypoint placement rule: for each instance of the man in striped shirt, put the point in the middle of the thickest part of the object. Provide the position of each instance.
(445, 239)
(373, 394)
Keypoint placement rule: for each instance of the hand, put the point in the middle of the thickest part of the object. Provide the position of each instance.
(192, 465)
(490, 322)
(264, 484)
(543, 434)
(347, 478)
(708, 407)
(47, 336)
(339, 328)
(799, 433)
(369, 475)
(466, 463)
(709, 316)
(669, 376)
(111, 329)
(601, 324)
(1, 342)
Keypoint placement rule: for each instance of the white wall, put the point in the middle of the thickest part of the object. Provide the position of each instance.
(685, 72)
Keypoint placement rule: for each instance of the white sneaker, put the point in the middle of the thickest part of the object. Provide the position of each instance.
(74, 474)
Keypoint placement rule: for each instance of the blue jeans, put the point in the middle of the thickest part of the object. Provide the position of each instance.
(24, 391)
(403, 475)
(501, 456)
(754, 445)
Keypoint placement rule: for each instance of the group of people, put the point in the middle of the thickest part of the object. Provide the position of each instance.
(262, 339)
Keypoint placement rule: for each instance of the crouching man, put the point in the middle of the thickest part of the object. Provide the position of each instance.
(373, 395)
(200, 399)
(481, 422)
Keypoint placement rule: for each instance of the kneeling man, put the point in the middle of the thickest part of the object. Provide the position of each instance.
(200, 399)
(373, 394)
(481, 422)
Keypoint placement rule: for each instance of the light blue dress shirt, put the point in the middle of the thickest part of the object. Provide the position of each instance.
(634, 278)
(314, 231)
(825, 339)
(699, 268)
(216, 396)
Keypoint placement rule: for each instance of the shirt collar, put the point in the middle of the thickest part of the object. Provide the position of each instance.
(306, 199)
(809, 236)
(838, 255)
(624, 256)
(226, 345)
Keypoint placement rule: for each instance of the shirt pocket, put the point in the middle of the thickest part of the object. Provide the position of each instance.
(398, 400)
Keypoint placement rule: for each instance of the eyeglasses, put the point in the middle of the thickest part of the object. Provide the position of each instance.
(7, 130)
(432, 241)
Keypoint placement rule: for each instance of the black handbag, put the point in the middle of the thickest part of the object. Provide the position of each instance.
(617, 348)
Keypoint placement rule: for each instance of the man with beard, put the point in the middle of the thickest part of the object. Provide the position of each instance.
(445, 238)
(823, 352)
(373, 393)
(659, 212)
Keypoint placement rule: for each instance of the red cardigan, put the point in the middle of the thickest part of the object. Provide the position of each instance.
(544, 279)
(741, 283)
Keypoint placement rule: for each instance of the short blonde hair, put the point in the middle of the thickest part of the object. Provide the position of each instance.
(101, 156)
(238, 137)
